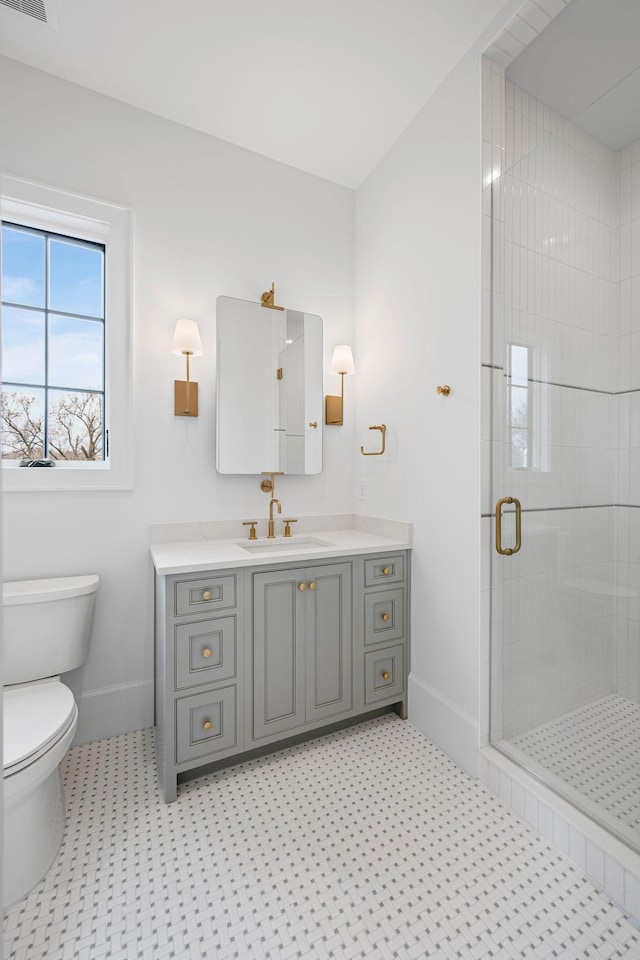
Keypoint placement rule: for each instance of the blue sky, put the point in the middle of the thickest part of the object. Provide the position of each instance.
(76, 286)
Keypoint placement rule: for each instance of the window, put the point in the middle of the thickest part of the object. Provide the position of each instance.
(519, 405)
(66, 339)
(527, 399)
(53, 336)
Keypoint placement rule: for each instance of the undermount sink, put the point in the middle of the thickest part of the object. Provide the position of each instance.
(282, 545)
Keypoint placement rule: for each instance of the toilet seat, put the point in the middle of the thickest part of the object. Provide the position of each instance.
(35, 717)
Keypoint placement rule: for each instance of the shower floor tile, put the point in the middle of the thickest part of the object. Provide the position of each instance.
(366, 844)
(595, 750)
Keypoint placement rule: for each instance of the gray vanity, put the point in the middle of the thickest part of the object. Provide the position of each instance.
(259, 643)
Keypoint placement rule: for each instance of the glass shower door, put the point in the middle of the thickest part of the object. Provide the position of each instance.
(565, 608)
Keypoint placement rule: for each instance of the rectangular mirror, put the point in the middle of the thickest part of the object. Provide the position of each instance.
(269, 389)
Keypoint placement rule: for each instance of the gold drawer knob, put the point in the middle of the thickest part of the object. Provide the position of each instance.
(206, 594)
(302, 586)
(385, 675)
(385, 617)
(207, 725)
(312, 585)
(206, 653)
(387, 571)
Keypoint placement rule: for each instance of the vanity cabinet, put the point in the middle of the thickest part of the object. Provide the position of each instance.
(302, 647)
(199, 672)
(251, 657)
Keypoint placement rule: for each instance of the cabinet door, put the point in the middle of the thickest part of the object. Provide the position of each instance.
(328, 640)
(278, 652)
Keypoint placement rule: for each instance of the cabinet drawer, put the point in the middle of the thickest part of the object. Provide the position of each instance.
(206, 724)
(205, 595)
(205, 651)
(384, 673)
(384, 615)
(383, 570)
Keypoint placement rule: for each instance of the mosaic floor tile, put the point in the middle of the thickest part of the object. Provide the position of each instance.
(366, 844)
(596, 750)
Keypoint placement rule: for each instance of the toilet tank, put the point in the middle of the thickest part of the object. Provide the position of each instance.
(45, 626)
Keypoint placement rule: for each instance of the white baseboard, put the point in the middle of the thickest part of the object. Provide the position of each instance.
(451, 728)
(113, 710)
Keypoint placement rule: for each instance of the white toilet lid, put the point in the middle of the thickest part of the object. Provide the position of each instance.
(34, 716)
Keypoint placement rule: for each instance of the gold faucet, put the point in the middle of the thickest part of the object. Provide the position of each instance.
(271, 535)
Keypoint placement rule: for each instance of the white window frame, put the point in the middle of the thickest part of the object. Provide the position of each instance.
(48, 208)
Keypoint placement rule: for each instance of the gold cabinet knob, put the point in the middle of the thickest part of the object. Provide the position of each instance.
(387, 571)
(385, 675)
(312, 585)
(385, 617)
(444, 390)
(314, 424)
(206, 594)
(207, 725)
(206, 653)
(302, 586)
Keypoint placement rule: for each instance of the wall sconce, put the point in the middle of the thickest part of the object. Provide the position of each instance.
(186, 342)
(341, 363)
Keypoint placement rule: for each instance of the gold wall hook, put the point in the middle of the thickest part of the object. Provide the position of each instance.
(444, 390)
(268, 299)
(376, 453)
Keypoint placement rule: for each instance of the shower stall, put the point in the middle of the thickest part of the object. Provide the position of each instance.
(561, 430)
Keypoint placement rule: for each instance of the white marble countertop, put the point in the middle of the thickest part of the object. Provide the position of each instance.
(316, 539)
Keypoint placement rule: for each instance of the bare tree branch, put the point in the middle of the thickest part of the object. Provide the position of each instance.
(22, 428)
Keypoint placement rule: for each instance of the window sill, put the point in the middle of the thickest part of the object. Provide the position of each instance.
(72, 477)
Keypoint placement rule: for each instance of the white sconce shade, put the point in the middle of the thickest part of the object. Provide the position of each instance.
(186, 339)
(342, 360)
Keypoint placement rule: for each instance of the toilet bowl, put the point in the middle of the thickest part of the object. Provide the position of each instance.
(46, 626)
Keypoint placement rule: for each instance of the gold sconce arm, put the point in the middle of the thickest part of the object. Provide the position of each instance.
(186, 343)
(376, 453)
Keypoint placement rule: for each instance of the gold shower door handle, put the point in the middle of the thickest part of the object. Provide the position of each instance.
(509, 551)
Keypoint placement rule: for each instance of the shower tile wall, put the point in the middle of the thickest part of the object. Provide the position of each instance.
(627, 681)
(555, 308)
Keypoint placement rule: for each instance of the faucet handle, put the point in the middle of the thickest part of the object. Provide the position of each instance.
(252, 524)
(287, 525)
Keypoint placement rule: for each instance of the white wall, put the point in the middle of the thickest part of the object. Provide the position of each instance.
(210, 219)
(418, 326)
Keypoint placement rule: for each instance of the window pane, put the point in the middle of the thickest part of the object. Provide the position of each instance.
(75, 278)
(519, 402)
(75, 426)
(519, 365)
(75, 353)
(22, 345)
(22, 424)
(22, 267)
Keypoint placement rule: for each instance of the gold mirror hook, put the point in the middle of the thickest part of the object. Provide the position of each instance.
(268, 299)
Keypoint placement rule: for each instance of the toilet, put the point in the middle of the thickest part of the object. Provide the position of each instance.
(45, 633)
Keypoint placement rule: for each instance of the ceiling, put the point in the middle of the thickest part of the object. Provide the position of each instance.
(586, 65)
(323, 85)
